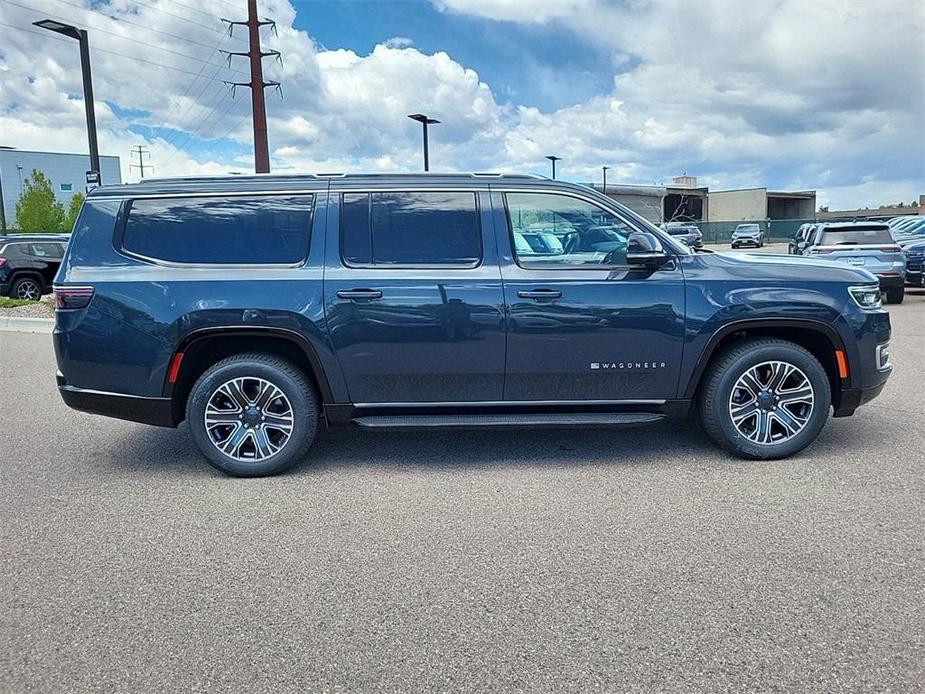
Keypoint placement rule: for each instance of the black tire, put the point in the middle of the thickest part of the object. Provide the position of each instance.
(895, 295)
(725, 370)
(27, 285)
(294, 385)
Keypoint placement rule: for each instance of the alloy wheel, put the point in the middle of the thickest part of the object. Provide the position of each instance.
(771, 402)
(28, 290)
(249, 419)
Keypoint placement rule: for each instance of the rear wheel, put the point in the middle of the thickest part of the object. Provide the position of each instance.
(27, 288)
(253, 414)
(895, 295)
(765, 399)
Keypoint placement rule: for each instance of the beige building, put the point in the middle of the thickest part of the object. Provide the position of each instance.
(760, 203)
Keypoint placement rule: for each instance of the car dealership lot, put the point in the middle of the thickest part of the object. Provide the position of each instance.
(618, 559)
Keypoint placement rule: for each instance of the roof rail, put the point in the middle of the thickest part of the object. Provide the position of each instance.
(285, 176)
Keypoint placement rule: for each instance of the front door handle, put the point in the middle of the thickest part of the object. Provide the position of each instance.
(539, 294)
(359, 294)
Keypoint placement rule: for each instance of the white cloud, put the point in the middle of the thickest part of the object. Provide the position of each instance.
(824, 94)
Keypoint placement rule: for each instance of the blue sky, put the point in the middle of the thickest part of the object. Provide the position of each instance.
(792, 94)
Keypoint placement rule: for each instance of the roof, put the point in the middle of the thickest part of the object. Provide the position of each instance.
(85, 155)
(274, 182)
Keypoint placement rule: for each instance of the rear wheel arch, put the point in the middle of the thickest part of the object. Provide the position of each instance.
(205, 347)
(818, 338)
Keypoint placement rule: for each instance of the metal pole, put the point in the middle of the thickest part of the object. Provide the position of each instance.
(426, 150)
(2, 209)
(88, 103)
(604, 187)
(258, 103)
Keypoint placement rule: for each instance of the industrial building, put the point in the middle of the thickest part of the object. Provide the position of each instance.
(682, 201)
(67, 173)
(750, 204)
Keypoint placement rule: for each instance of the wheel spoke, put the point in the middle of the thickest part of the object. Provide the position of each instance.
(780, 372)
(763, 427)
(742, 412)
(232, 445)
(262, 443)
(749, 381)
(267, 394)
(216, 418)
(280, 422)
(787, 420)
(233, 391)
(802, 394)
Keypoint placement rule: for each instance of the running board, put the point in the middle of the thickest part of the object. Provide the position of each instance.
(466, 421)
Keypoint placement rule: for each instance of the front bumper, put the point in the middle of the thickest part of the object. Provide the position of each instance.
(746, 241)
(853, 398)
(155, 411)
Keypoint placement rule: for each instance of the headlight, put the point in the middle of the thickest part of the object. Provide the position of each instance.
(867, 296)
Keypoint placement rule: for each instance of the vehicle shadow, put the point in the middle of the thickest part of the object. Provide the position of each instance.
(148, 450)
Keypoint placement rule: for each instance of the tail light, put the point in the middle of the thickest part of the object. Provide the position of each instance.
(2, 262)
(73, 297)
(889, 249)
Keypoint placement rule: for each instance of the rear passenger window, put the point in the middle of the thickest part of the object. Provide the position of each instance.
(410, 228)
(220, 231)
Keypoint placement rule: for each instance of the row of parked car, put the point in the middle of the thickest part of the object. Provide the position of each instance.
(892, 250)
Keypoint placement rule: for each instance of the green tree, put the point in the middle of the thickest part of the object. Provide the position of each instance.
(37, 209)
(73, 209)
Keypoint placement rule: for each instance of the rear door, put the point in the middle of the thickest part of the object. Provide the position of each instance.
(413, 296)
(45, 256)
(582, 324)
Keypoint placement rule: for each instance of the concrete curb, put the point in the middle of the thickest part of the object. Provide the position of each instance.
(26, 325)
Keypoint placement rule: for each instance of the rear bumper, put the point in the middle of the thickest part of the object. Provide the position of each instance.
(890, 281)
(155, 411)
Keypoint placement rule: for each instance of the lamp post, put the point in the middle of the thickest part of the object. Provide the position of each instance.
(424, 121)
(553, 159)
(81, 36)
(604, 187)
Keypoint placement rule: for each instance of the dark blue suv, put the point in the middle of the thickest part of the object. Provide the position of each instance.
(258, 308)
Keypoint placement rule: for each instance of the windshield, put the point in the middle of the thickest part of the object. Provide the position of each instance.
(843, 237)
(747, 227)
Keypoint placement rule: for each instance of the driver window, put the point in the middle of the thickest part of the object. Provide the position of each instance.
(558, 230)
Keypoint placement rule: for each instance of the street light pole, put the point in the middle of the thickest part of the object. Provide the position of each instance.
(81, 36)
(424, 121)
(604, 187)
(553, 159)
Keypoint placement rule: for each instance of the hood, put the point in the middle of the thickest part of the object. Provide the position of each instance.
(786, 267)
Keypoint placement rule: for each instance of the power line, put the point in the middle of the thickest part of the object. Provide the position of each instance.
(105, 50)
(178, 16)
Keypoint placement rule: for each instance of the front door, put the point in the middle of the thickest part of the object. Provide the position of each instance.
(582, 324)
(413, 296)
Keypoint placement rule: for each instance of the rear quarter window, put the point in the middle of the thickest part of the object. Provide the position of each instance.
(240, 230)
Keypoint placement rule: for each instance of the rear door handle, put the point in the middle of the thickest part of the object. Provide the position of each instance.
(539, 294)
(359, 294)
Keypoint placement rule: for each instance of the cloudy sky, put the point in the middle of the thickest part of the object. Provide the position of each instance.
(788, 94)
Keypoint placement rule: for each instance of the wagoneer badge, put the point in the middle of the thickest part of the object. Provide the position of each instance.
(628, 365)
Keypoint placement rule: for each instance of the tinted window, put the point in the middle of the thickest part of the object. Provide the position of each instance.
(843, 237)
(238, 230)
(560, 230)
(410, 228)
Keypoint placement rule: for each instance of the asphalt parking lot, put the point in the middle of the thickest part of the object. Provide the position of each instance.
(619, 560)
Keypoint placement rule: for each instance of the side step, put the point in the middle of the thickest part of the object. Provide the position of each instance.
(466, 421)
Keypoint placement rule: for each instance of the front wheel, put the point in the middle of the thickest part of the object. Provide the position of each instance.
(765, 399)
(253, 414)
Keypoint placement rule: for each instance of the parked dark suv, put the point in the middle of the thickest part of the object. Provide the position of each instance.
(28, 264)
(258, 308)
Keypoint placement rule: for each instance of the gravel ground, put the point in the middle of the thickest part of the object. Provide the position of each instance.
(40, 309)
(624, 560)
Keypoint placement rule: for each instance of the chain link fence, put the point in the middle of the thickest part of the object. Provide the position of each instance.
(775, 230)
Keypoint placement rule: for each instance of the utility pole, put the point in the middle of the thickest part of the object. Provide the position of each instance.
(604, 187)
(141, 166)
(257, 85)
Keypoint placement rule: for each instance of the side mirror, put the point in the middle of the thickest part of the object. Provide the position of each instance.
(645, 250)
